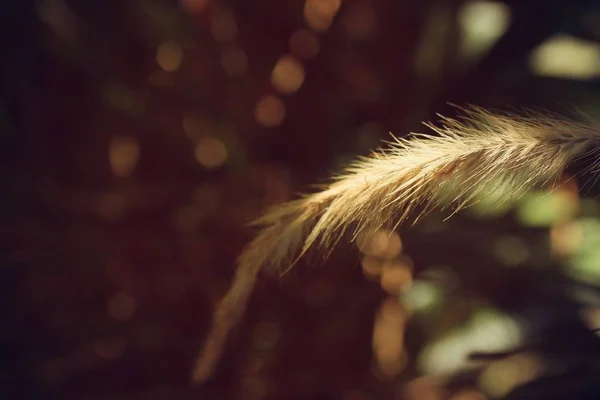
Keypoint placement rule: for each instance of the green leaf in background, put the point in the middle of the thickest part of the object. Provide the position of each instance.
(541, 210)
(585, 263)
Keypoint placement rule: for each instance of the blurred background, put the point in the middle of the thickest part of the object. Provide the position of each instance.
(137, 139)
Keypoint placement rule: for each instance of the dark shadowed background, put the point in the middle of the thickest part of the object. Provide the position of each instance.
(137, 139)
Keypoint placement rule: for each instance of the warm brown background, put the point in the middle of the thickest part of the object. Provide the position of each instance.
(110, 273)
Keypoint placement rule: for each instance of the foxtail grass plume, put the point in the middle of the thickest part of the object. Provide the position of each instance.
(465, 159)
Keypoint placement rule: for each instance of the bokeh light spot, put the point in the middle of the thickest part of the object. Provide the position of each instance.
(124, 154)
(384, 243)
(482, 23)
(421, 296)
(546, 209)
(372, 267)
(270, 111)
(388, 338)
(583, 263)
(211, 152)
(288, 75)
(566, 239)
(395, 277)
(487, 331)
(499, 378)
(564, 56)
(169, 56)
(319, 14)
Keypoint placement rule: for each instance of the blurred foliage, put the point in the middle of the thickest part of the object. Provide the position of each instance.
(138, 138)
